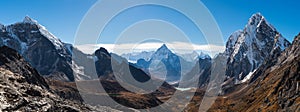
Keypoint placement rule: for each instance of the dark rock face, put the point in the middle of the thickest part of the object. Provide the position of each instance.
(12, 61)
(110, 65)
(104, 65)
(285, 70)
(39, 47)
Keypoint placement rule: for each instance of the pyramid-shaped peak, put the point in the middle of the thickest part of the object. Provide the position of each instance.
(258, 14)
(163, 49)
(258, 20)
(255, 19)
(164, 46)
(27, 19)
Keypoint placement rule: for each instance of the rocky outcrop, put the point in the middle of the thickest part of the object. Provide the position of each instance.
(12, 61)
(23, 89)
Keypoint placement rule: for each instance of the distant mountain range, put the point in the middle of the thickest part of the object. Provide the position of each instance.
(146, 55)
(135, 56)
(61, 64)
(166, 65)
(261, 71)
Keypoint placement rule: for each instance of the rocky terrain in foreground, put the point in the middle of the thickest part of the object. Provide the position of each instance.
(23, 89)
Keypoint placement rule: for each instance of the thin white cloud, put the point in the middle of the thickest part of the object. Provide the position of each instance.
(177, 47)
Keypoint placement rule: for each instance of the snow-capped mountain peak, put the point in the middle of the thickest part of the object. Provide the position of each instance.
(164, 49)
(256, 26)
(256, 21)
(250, 47)
(164, 46)
(135, 56)
(56, 42)
(162, 53)
(39, 47)
(27, 19)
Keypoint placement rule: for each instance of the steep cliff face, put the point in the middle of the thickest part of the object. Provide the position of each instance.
(273, 87)
(39, 47)
(247, 49)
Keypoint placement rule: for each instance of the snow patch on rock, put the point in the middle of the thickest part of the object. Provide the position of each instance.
(248, 76)
(57, 43)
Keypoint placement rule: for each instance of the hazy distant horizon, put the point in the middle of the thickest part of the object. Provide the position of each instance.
(175, 47)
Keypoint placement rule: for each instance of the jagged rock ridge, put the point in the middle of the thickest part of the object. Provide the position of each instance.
(247, 49)
(40, 48)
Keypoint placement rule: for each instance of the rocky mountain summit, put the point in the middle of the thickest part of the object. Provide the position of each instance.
(247, 49)
(274, 86)
(261, 71)
(39, 47)
(166, 65)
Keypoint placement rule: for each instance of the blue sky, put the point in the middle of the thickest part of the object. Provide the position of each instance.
(62, 17)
